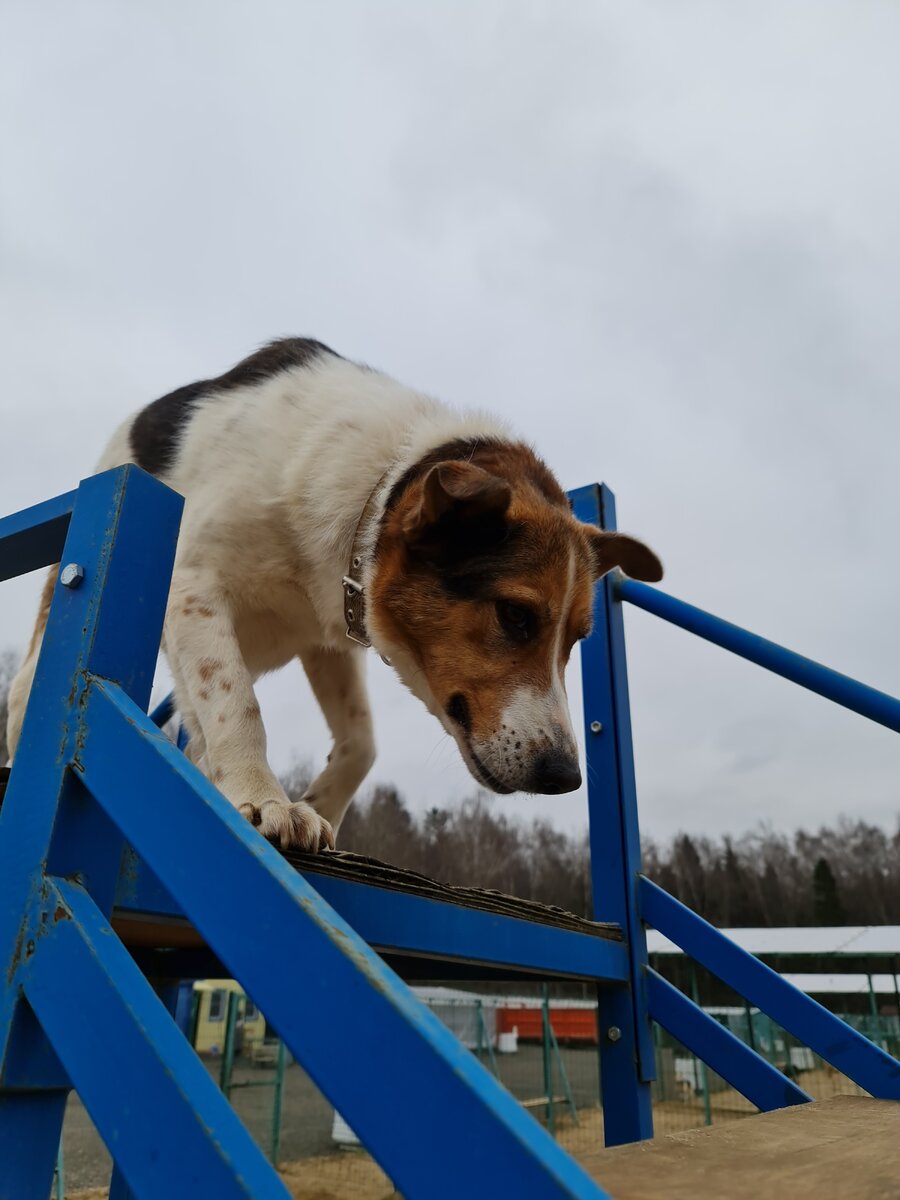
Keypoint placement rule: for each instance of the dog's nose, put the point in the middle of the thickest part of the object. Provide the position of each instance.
(555, 772)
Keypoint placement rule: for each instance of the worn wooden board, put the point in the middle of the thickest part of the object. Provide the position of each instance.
(151, 930)
(139, 930)
(847, 1148)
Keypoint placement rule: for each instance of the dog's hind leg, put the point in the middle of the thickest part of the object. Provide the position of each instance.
(338, 682)
(20, 687)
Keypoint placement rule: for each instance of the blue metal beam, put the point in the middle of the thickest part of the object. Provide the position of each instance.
(841, 689)
(30, 1125)
(169, 1128)
(743, 1068)
(627, 1059)
(397, 923)
(164, 711)
(333, 1001)
(34, 537)
(811, 1024)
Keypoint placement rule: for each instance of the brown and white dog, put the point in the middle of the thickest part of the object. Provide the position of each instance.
(323, 498)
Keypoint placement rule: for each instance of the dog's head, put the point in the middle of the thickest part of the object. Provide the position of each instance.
(482, 584)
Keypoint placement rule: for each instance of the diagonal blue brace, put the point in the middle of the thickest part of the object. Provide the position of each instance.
(334, 1002)
(811, 1024)
(717, 1046)
(170, 1129)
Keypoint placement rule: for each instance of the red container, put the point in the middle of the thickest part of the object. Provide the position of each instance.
(574, 1026)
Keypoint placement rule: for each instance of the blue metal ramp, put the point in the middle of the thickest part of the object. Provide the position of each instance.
(93, 774)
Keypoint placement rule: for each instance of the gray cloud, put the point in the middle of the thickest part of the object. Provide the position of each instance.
(662, 240)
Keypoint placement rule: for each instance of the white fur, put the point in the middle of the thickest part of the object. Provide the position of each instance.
(275, 477)
(533, 721)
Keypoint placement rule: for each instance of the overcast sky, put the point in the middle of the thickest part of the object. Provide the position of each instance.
(662, 239)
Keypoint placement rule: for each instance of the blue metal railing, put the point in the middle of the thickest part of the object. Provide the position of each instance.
(92, 770)
(841, 689)
(838, 1044)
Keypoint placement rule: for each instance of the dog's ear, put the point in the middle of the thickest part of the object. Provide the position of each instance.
(621, 550)
(453, 495)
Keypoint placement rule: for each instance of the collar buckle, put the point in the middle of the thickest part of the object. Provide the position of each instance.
(355, 611)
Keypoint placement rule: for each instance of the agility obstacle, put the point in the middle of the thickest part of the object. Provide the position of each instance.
(123, 870)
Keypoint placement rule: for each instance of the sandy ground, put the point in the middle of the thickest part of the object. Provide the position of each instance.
(313, 1170)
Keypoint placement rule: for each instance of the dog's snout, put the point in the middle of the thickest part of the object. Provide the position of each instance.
(555, 772)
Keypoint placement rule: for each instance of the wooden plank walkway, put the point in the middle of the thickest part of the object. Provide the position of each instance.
(847, 1148)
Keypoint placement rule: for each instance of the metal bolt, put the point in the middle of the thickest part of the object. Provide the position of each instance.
(614, 1033)
(351, 615)
(596, 727)
(71, 575)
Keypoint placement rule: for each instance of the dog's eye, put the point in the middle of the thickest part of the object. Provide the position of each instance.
(518, 622)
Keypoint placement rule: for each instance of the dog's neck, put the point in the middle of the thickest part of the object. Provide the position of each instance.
(366, 535)
(371, 434)
(397, 476)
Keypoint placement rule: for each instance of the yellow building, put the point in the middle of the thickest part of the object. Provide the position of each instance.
(212, 1013)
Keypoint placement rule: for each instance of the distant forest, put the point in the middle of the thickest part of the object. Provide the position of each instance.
(845, 875)
(848, 874)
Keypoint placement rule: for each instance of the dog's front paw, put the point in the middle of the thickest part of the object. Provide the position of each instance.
(290, 826)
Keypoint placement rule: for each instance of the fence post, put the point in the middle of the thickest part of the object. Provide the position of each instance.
(277, 1103)
(548, 1061)
(60, 1173)
(704, 1069)
(627, 1062)
(234, 1000)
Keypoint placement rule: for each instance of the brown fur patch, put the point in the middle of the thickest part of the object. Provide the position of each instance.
(208, 667)
(442, 604)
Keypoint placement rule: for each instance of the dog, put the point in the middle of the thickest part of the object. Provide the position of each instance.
(328, 509)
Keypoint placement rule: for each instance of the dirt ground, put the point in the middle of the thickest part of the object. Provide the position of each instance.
(307, 1118)
(313, 1170)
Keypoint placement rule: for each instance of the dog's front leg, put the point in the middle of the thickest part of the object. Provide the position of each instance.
(337, 678)
(207, 662)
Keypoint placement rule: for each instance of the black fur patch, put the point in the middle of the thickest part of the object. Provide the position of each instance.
(458, 711)
(158, 428)
(508, 460)
(478, 572)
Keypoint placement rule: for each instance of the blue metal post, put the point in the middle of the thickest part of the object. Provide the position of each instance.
(627, 1064)
(36, 823)
(59, 858)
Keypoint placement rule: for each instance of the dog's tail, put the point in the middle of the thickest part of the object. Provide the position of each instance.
(20, 687)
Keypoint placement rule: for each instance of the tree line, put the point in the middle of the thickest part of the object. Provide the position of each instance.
(846, 874)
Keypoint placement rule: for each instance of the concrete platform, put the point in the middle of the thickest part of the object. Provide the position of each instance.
(847, 1148)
